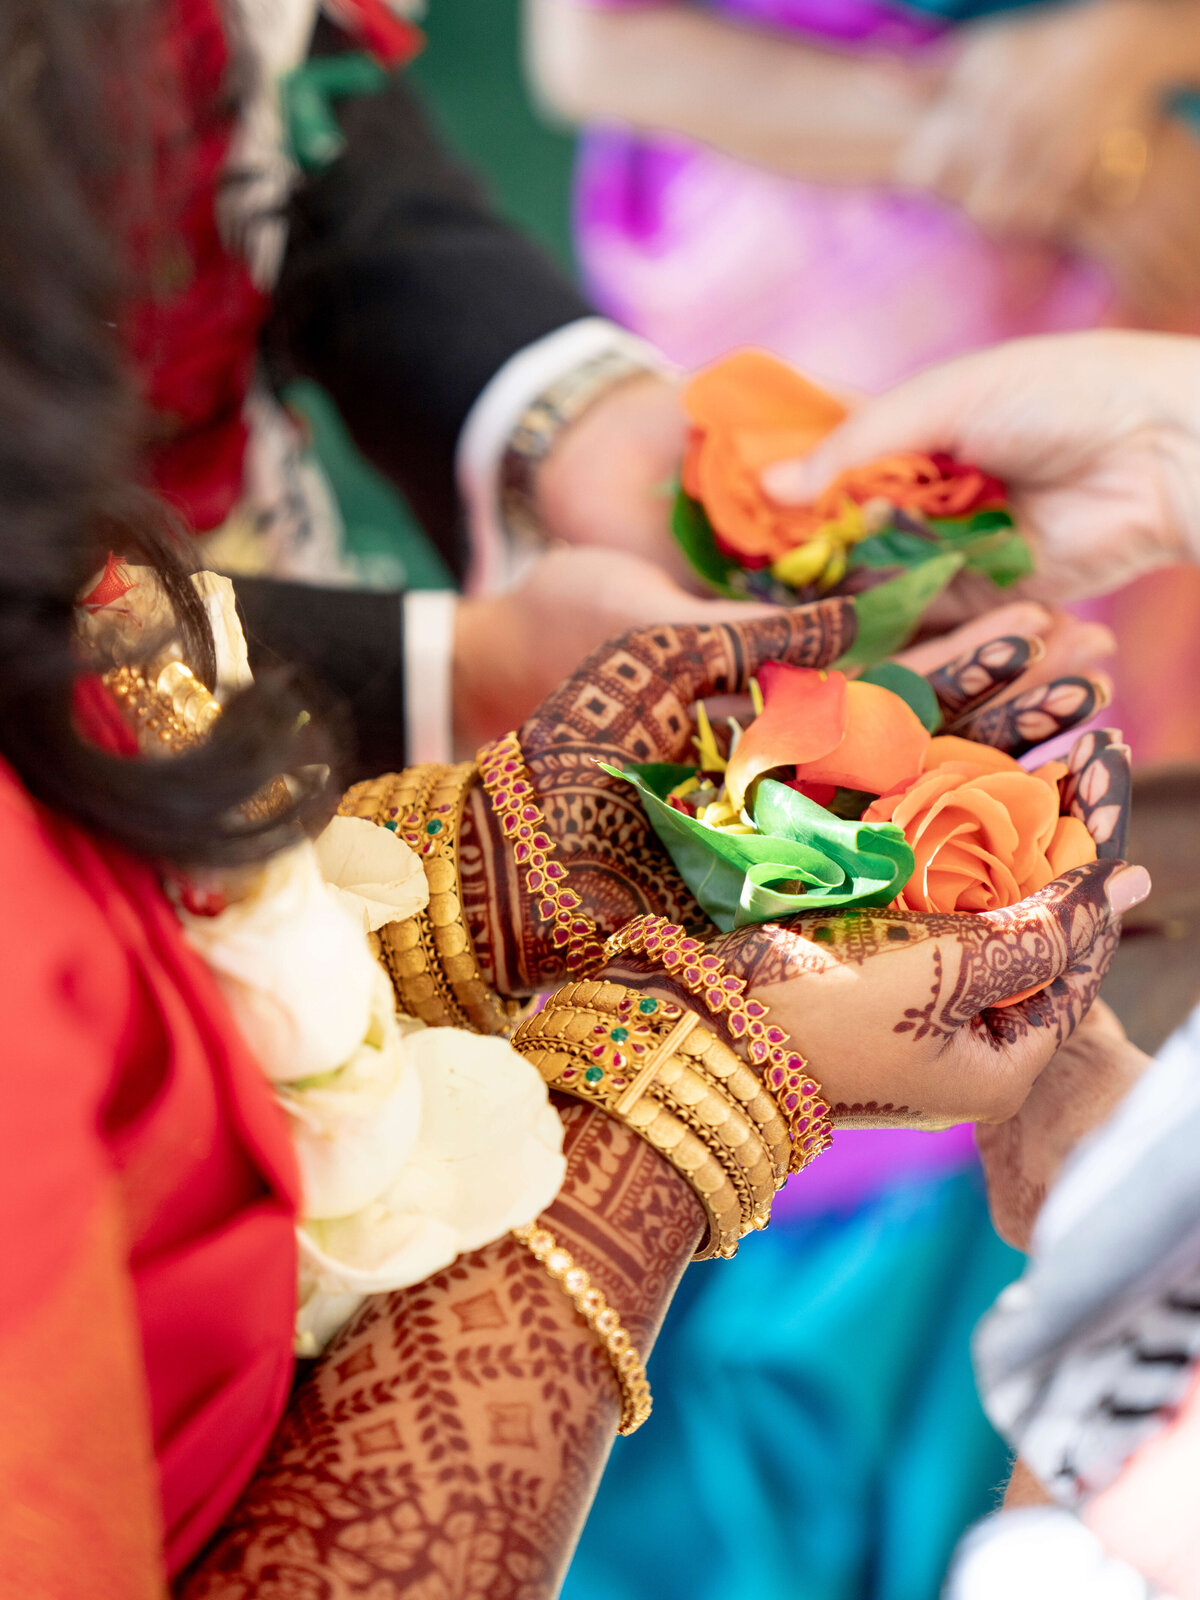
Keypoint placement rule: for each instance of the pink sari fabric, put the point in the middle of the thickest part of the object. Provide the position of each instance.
(859, 287)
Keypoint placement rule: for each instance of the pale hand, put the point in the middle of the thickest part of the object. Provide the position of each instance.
(1151, 248)
(1015, 135)
(1097, 436)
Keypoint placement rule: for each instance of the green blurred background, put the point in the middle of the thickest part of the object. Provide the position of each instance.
(470, 77)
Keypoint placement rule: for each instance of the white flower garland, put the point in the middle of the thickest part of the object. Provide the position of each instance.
(414, 1144)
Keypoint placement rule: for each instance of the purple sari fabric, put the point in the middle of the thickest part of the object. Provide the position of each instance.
(859, 287)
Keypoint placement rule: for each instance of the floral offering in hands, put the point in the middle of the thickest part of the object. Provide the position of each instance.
(839, 793)
(893, 533)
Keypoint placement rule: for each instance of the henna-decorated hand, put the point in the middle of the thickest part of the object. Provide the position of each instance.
(917, 1019)
(631, 701)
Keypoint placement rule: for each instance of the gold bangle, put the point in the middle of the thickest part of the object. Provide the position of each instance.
(407, 950)
(484, 1009)
(645, 1061)
(509, 787)
(172, 713)
(600, 1317)
(669, 1082)
(785, 1071)
(430, 957)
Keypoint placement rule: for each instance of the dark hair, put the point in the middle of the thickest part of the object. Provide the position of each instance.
(68, 442)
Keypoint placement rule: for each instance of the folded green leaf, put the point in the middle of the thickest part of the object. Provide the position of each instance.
(895, 547)
(818, 862)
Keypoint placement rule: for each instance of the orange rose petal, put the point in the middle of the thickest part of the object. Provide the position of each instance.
(984, 757)
(1024, 809)
(804, 715)
(743, 519)
(751, 389)
(689, 472)
(1052, 772)
(884, 743)
(1071, 846)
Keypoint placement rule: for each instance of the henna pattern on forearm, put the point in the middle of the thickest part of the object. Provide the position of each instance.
(965, 684)
(449, 1444)
(1029, 719)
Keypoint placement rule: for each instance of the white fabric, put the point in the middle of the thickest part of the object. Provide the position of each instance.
(1109, 1276)
(497, 559)
(428, 675)
(1040, 1553)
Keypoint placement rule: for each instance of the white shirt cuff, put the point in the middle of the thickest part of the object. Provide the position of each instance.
(496, 558)
(428, 667)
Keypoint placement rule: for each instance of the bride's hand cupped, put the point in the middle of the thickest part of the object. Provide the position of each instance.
(632, 701)
(911, 1019)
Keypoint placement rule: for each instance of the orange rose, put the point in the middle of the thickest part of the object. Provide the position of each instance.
(935, 486)
(985, 832)
(832, 732)
(747, 412)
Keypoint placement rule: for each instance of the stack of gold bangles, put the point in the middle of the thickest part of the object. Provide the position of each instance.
(430, 958)
(726, 1100)
(674, 1081)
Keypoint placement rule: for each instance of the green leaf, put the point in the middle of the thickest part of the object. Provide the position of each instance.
(895, 547)
(818, 862)
(694, 536)
(1002, 558)
(889, 613)
(912, 688)
(967, 527)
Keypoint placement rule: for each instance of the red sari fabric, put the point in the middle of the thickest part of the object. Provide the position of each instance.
(192, 334)
(132, 1112)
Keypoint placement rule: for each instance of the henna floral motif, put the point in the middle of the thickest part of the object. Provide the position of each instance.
(1029, 719)
(448, 1446)
(629, 702)
(1098, 789)
(970, 681)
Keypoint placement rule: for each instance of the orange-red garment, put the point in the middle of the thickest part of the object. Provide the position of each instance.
(148, 1196)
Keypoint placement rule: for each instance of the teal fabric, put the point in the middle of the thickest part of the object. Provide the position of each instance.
(816, 1431)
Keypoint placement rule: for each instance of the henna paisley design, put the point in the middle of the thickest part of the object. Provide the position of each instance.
(965, 684)
(1029, 719)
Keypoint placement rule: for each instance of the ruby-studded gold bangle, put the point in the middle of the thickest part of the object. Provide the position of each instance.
(600, 1317)
(509, 788)
(670, 1080)
(766, 1044)
(430, 957)
(436, 840)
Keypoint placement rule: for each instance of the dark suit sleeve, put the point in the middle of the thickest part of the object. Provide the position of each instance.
(403, 293)
(350, 644)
